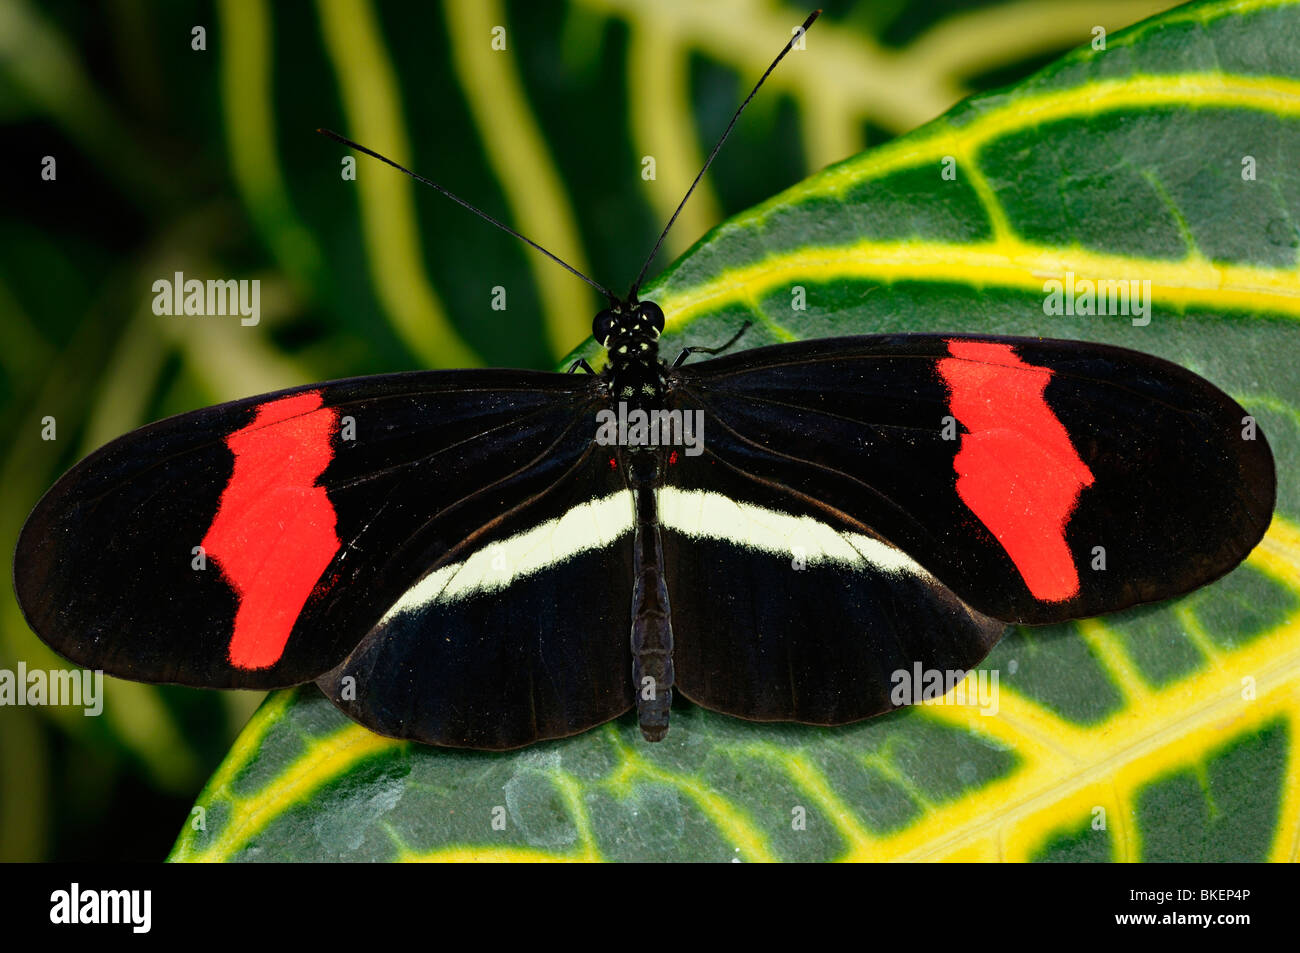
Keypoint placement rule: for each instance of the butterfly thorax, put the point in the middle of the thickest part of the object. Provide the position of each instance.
(630, 334)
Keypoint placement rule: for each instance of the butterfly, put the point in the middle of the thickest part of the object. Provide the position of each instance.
(488, 558)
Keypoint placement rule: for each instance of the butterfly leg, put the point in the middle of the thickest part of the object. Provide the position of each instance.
(699, 349)
(580, 362)
(652, 630)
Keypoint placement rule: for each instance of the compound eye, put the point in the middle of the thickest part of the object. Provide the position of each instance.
(653, 314)
(602, 326)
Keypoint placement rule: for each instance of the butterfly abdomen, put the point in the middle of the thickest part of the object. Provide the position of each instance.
(652, 630)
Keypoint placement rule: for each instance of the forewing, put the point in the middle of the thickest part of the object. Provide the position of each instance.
(1039, 480)
(253, 544)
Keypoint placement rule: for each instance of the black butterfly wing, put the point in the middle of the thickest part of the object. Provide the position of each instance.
(785, 617)
(521, 637)
(989, 475)
(254, 544)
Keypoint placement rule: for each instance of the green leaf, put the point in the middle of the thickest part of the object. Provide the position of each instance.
(1165, 732)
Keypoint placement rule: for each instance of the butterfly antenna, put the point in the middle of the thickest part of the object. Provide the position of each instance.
(798, 34)
(613, 298)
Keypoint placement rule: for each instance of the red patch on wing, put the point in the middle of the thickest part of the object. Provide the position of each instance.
(1016, 469)
(274, 532)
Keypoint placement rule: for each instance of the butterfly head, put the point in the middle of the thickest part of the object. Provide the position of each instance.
(629, 330)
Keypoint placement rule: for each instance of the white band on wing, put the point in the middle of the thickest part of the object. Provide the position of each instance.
(694, 513)
(703, 513)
